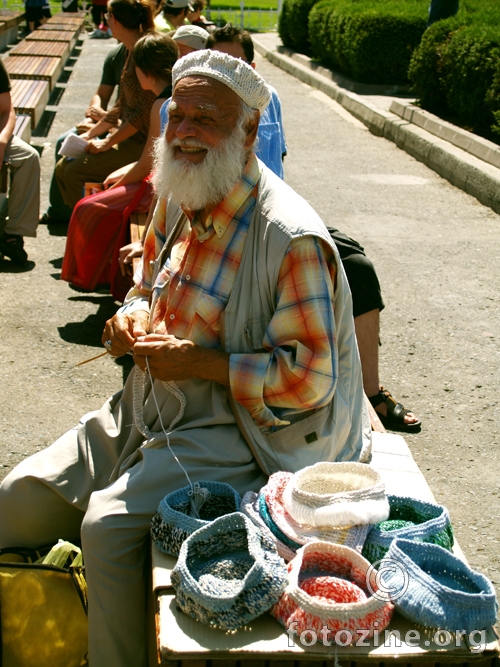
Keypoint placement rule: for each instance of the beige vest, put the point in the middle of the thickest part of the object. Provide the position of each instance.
(339, 431)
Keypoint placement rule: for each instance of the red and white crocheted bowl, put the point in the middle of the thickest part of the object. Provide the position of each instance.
(332, 586)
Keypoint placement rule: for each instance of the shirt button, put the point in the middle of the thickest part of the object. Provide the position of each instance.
(172, 316)
(188, 277)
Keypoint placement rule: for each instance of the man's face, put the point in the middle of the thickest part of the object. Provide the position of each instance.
(203, 113)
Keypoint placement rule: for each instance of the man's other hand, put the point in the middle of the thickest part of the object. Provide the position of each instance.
(122, 331)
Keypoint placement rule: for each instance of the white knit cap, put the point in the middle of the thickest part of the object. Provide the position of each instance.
(232, 72)
(336, 494)
(191, 35)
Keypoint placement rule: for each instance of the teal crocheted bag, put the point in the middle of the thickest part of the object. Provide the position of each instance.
(174, 520)
(409, 519)
(228, 573)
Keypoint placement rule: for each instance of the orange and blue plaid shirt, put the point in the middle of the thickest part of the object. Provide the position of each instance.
(297, 369)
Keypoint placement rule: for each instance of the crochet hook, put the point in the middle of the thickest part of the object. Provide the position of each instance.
(91, 359)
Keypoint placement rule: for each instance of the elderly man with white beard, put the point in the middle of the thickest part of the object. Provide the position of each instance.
(243, 340)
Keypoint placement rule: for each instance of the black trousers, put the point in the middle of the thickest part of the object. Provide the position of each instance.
(360, 272)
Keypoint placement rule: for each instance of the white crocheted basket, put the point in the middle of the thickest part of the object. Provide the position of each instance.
(336, 494)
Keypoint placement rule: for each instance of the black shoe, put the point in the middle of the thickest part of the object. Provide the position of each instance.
(12, 245)
(48, 219)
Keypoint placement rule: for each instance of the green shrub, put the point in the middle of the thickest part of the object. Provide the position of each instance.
(293, 24)
(368, 40)
(455, 71)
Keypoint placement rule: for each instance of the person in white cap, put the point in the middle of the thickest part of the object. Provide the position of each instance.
(190, 38)
(242, 317)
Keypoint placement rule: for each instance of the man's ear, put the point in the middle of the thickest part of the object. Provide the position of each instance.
(251, 129)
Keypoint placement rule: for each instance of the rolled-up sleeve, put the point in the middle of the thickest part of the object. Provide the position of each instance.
(297, 369)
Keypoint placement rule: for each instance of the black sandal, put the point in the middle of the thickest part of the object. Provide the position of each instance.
(396, 412)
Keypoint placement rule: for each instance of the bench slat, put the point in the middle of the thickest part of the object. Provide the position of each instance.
(30, 97)
(35, 48)
(44, 68)
(53, 36)
(22, 128)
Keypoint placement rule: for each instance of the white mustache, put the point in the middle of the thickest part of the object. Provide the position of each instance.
(189, 143)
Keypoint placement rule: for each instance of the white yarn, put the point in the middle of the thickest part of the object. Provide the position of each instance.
(336, 495)
(232, 72)
(199, 495)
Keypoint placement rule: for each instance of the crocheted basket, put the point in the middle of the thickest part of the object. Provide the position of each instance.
(409, 519)
(328, 587)
(434, 588)
(336, 495)
(349, 536)
(172, 524)
(228, 573)
(250, 507)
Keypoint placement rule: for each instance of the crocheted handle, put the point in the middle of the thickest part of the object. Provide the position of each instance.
(139, 386)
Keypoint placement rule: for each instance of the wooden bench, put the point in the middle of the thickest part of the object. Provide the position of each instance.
(64, 20)
(61, 27)
(137, 226)
(30, 97)
(12, 20)
(183, 642)
(64, 36)
(4, 34)
(43, 68)
(22, 128)
(35, 48)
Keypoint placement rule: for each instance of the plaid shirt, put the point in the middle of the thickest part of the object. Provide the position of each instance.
(296, 371)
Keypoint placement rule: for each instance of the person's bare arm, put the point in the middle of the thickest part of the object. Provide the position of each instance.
(99, 102)
(125, 131)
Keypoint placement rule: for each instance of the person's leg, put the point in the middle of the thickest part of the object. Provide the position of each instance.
(367, 305)
(93, 168)
(115, 535)
(24, 191)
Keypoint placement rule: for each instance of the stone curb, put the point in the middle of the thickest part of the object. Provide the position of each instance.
(462, 169)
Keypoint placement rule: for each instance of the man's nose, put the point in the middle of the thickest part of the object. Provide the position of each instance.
(185, 129)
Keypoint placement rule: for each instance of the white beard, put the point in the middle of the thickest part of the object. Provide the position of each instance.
(193, 186)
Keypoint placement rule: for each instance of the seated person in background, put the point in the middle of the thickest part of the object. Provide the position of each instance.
(114, 62)
(190, 38)
(128, 20)
(234, 224)
(98, 227)
(272, 145)
(172, 15)
(23, 162)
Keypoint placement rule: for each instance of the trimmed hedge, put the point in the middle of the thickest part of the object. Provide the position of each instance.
(455, 71)
(293, 25)
(368, 40)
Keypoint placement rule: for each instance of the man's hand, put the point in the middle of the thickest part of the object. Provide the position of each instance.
(172, 358)
(123, 330)
(127, 254)
(95, 112)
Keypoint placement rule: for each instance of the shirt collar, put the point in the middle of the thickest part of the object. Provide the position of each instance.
(225, 212)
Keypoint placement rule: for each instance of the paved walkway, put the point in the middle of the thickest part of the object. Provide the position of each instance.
(435, 249)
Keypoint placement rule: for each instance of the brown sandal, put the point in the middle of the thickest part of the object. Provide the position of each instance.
(396, 412)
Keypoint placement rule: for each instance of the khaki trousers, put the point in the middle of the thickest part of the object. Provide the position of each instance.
(103, 481)
(24, 191)
(72, 175)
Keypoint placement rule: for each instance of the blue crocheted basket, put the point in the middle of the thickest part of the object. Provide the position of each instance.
(172, 523)
(228, 573)
(434, 588)
(410, 519)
